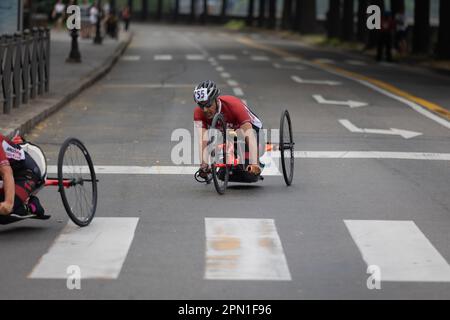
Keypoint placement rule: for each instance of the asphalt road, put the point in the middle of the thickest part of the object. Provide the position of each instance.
(312, 240)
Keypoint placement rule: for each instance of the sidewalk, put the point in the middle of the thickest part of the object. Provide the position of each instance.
(66, 79)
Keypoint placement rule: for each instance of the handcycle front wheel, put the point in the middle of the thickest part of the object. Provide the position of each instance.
(77, 182)
(218, 140)
(286, 147)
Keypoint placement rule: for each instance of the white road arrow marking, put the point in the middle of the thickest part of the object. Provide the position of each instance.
(393, 131)
(350, 103)
(325, 82)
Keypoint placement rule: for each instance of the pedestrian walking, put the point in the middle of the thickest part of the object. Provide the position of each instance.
(58, 13)
(85, 23)
(401, 28)
(385, 36)
(94, 13)
(126, 17)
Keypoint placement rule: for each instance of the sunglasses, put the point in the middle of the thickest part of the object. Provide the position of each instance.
(205, 106)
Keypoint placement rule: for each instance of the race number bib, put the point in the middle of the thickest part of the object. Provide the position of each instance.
(201, 95)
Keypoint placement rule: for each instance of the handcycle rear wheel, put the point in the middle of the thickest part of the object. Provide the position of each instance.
(219, 167)
(286, 147)
(77, 182)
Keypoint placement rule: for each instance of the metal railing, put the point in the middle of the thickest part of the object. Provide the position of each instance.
(24, 67)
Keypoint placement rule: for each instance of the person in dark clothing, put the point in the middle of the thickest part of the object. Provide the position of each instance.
(126, 16)
(385, 37)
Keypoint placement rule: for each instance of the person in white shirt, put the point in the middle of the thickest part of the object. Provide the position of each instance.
(59, 13)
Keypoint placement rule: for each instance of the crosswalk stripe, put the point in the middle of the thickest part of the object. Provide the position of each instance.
(356, 62)
(98, 250)
(227, 57)
(324, 60)
(244, 249)
(238, 92)
(163, 57)
(399, 250)
(195, 57)
(130, 58)
(260, 58)
(291, 59)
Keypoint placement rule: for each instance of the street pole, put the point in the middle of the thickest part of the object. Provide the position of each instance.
(98, 37)
(74, 56)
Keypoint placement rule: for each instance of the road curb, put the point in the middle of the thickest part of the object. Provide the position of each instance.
(85, 83)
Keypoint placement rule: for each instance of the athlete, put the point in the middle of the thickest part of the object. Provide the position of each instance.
(20, 177)
(236, 114)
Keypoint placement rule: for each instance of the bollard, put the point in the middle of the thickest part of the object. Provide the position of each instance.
(17, 70)
(98, 37)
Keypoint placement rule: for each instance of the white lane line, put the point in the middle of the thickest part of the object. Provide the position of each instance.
(130, 58)
(195, 57)
(340, 155)
(162, 57)
(225, 75)
(220, 69)
(356, 62)
(244, 249)
(270, 169)
(232, 83)
(238, 92)
(320, 82)
(270, 156)
(227, 57)
(399, 249)
(292, 59)
(260, 58)
(99, 250)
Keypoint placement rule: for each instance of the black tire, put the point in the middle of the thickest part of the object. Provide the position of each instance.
(286, 147)
(80, 199)
(219, 136)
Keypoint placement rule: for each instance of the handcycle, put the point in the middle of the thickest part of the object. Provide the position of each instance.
(76, 180)
(227, 166)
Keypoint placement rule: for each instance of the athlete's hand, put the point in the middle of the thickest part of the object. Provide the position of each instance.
(254, 168)
(6, 208)
(204, 170)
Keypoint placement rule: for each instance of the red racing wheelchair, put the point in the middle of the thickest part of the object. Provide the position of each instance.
(226, 164)
(76, 181)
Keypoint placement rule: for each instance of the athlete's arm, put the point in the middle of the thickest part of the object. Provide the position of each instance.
(6, 174)
(250, 139)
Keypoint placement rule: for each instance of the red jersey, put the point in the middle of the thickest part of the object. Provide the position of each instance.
(10, 153)
(234, 110)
